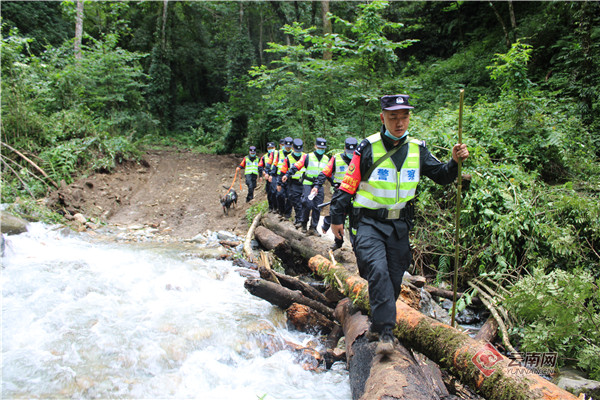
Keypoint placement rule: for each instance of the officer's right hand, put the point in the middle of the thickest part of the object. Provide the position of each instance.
(314, 191)
(338, 230)
(284, 179)
(279, 188)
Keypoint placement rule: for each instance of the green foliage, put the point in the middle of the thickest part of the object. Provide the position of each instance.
(559, 311)
(255, 209)
(72, 115)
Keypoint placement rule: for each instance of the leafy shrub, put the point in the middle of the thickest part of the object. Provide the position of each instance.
(559, 312)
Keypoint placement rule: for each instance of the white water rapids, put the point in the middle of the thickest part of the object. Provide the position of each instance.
(83, 318)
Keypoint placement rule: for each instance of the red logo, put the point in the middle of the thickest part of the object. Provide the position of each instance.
(486, 358)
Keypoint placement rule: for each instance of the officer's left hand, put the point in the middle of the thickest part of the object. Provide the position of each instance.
(460, 151)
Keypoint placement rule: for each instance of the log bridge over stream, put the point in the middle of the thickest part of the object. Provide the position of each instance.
(432, 360)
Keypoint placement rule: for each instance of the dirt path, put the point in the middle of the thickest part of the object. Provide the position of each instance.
(174, 191)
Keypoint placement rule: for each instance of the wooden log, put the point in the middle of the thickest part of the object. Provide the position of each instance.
(268, 239)
(283, 297)
(294, 283)
(264, 268)
(249, 236)
(299, 247)
(488, 331)
(449, 294)
(374, 377)
(417, 280)
(305, 319)
(477, 364)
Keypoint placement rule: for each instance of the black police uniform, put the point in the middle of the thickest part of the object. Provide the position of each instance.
(282, 195)
(294, 185)
(381, 246)
(349, 144)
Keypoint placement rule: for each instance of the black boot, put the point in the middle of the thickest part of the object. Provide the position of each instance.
(385, 346)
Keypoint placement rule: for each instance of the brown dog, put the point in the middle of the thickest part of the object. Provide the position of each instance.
(229, 200)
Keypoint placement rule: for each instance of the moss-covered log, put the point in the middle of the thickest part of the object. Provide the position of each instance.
(476, 363)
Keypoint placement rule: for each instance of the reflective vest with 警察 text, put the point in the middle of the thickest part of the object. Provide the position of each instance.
(340, 168)
(314, 167)
(251, 166)
(292, 159)
(388, 187)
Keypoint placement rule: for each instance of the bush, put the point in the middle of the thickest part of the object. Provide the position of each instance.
(559, 312)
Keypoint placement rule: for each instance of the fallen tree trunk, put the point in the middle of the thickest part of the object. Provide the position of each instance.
(476, 363)
(249, 236)
(299, 248)
(488, 331)
(306, 319)
(293, 283)
(373, 377)
(268, 239)
(283, 297)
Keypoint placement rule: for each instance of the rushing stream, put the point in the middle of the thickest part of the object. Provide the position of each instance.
(84, 318)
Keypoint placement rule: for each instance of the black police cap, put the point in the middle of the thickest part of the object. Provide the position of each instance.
(350, 143)
(321, 143)
(395, 102)
(298, 144)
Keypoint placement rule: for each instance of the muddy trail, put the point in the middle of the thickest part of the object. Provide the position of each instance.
(175, 192)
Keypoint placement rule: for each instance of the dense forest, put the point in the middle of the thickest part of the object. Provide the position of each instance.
(86, 85)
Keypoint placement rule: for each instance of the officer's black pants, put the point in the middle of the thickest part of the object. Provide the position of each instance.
(295, 200)
(382, 259)
(271, 188)
(309, 206)
(251, 183)
(281, 197)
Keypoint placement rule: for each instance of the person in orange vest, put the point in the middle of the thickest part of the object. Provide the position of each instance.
(334, 172)
(281, 187)
(312, 163)
(293, 181)
(250, 166)
(264, 169)
(379, 189)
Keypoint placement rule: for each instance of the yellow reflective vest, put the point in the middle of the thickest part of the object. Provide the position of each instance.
(251, 166)
(314, 167)
(388, 187)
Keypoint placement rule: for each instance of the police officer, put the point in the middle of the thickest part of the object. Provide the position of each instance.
(281, 189)
(293, 180)
(314, 163)
(264, 170)
(250, 166)
(382, 179)
(334, 172)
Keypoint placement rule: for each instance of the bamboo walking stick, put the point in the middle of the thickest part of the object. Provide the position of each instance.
(458, 205)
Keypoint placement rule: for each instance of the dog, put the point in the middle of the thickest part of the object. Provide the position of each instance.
(229, 200)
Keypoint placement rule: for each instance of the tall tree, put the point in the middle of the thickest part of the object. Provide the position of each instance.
(78, 29)
(327, 28)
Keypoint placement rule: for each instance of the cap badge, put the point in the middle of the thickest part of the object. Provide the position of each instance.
(399, 100)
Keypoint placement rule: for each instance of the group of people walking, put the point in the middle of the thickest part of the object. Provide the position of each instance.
(374, 184)
(294, 179)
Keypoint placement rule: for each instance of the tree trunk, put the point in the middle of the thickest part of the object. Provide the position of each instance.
(296, 284)
(327, 29)
(488, 331)
(268, 239)
(475, 363)
(300, 247)
(283, 297)
(397, 376)
(506, 35)
(306, 319)
(164, 24)
(78, 29)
